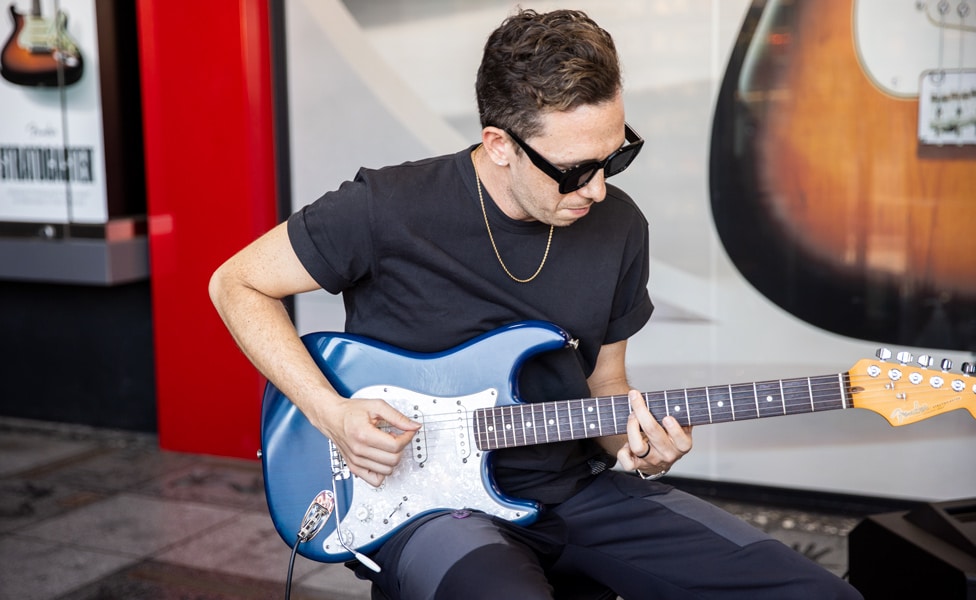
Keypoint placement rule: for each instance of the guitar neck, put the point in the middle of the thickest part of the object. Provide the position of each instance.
(545, 422)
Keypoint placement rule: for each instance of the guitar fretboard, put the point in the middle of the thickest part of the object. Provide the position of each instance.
(524, 424)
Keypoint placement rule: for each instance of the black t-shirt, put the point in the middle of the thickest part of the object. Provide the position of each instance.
(408, 249)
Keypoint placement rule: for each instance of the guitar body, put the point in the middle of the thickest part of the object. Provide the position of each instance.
(824, 197)
(36, 49)
(441, 470)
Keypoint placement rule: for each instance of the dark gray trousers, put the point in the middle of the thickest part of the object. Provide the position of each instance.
(619, 536)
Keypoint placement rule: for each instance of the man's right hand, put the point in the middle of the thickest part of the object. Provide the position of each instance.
(370, 434)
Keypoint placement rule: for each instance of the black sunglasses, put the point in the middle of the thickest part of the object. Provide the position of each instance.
(573, 179)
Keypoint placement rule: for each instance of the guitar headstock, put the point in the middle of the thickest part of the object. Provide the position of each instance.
(905, 393)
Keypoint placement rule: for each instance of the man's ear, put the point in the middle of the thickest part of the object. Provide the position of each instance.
(498, 145)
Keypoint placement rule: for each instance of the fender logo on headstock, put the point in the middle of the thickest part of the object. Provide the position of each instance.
(900, 414)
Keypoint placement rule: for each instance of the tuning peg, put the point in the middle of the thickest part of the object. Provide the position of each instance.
(946, 364)
(904, 357)
(925, 361)
(969, 368)
(883, 353)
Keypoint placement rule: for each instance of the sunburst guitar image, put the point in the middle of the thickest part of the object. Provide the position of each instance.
(843, 165)
(39, 51)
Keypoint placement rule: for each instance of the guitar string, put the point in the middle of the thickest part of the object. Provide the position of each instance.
(826, 395)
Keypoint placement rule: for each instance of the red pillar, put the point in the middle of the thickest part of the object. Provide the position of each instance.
(210, 178)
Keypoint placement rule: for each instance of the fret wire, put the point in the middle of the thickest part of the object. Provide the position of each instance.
(732, 406)
(622, 419)
(840, 385)
(494, 427)
(754, 395)
(584, 413)
(614, 425)
(519, 431)
(588, 424)
(810, 388)
(511, 428)
(535, 430)
(582, 419)
(599, 421)
(559, 428)
(520, 428)
(535, 422)
(500, 429)
(583, 423)
(489, 430)
(688, 408)
(569, 410)
(478, 414)
(545, 422)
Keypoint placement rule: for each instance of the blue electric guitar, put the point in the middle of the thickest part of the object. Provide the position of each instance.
(467, 402)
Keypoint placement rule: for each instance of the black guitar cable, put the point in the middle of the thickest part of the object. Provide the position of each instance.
(315, 517)
(291, 568)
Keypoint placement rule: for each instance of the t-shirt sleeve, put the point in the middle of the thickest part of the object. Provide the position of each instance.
(632, 306)
(332, 237)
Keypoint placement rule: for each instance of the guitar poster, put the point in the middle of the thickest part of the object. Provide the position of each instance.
(51, 144)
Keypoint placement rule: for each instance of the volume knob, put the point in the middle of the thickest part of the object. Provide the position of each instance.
(364, 513)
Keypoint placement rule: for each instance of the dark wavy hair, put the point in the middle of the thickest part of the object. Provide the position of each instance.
(536, 63)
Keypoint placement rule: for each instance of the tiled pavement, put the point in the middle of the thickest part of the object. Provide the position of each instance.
(94, 514)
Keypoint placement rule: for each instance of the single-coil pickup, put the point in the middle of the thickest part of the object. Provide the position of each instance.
(418, 445)
(461, 434)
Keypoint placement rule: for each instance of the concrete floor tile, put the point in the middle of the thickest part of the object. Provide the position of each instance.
(116, 468)
(132, 524)
(21, 452)
(38, 570)
(248, 547)
(222, 481)
(24, 502)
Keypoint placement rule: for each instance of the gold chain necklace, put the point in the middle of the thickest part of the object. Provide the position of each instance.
(484, 213)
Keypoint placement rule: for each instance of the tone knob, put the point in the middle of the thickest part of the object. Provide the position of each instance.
(364, 513)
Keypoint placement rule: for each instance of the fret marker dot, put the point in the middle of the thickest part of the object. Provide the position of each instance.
(528, 424)
(592, 426)
(491, 428)
(677, 408)
(769, 398)
(508, 426)
(721, 403)
(552, 421)
(589, 409)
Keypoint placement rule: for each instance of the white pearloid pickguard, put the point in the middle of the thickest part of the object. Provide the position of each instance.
(441, 469)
